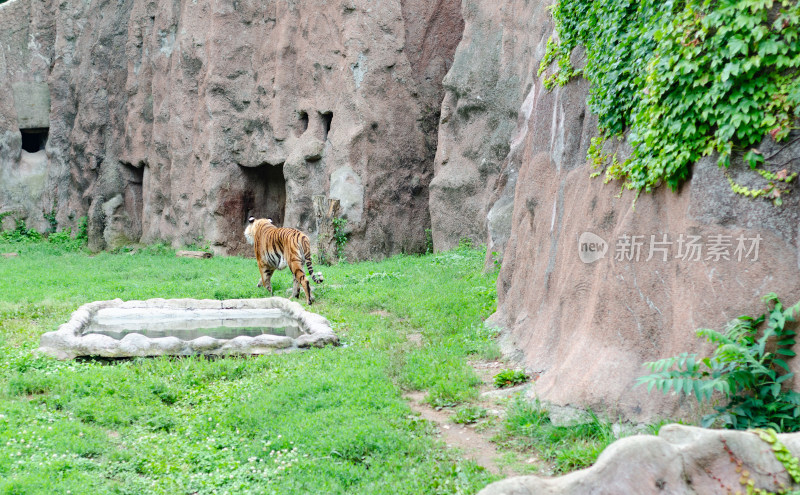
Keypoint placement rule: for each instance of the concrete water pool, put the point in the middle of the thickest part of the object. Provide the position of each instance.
(156, 327)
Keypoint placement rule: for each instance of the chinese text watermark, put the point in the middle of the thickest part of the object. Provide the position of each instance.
(665, 247)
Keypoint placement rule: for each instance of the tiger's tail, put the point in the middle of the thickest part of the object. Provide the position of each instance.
(316, 277)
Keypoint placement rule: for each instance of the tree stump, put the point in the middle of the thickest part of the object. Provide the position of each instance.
(326, 210)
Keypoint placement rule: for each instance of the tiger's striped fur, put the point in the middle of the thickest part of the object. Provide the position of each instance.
(276, 248)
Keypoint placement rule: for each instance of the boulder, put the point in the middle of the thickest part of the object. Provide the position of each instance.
(681, 460)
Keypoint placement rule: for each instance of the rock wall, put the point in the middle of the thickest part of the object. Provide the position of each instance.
(25, 191)
(585, 323)
(177, 120)
(493, 70)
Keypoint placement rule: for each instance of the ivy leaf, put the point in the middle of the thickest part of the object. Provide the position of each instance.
(737, 45)
(767, 47)
(730, 69)
(754, 158)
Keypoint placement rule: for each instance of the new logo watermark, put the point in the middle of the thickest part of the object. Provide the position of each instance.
(665, 247)
(591, 247)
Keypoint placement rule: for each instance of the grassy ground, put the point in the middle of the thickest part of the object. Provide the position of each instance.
(327, 420)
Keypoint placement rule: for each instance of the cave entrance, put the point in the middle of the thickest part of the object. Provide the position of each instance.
(34, 140)
(133, 198)
(327, 118)
(265, 193)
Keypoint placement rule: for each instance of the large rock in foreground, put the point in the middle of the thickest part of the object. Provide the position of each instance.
(681, 460)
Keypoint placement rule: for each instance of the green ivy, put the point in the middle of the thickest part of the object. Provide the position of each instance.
(772, 190)
(681, 79)
(784, 456)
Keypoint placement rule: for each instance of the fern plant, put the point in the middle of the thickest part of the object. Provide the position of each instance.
(747, 368)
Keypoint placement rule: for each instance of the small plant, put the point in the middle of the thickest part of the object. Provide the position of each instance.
(51, 218)
(83, 229)
(428, 241)
(465, 243)
(784, 456)
(158, 249)
(65, 240)
(747, 368)
(509, 378)
(469, 414)
(497, 260)
(339, 235)
(771, 190)
(21, 233)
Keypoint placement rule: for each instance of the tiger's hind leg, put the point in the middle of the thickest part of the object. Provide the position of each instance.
(266, 279)
(300, 280)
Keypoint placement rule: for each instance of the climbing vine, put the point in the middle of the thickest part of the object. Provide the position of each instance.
(784, 456)
(682, 79)
(790, 463)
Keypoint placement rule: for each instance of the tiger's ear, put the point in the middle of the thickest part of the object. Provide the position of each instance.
(251, 219)
(269, 220)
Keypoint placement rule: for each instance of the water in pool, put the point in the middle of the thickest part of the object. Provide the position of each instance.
(189, 324)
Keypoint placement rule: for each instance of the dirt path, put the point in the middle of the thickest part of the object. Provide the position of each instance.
(474, 440)
(474, 445)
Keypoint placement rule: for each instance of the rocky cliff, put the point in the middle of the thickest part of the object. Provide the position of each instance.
(177, 120)
(591, 285)
(493, 70)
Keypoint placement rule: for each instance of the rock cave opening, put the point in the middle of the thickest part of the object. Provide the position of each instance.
(133, 197)
(303, 124)
(34, 140)
(265, 193)
(327, 118)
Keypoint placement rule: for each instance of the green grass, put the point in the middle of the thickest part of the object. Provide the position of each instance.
(567, 448)
(329, 420)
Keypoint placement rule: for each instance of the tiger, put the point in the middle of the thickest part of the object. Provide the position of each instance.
(276, 248)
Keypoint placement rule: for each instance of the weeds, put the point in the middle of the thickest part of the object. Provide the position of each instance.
(509, 378)
(528, 427)
(469, 414)
(339, 235)
(20, 234)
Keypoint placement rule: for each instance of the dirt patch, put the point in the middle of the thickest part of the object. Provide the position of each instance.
(474, 441)
(415, 338)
